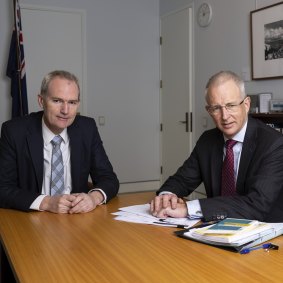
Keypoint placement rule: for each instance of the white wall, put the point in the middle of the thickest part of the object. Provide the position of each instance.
(223, 45)
(123, 69)
(122, 78)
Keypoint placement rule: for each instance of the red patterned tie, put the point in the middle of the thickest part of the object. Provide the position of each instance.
(228, 183)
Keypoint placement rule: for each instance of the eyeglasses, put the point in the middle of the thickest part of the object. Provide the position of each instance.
(230, 108)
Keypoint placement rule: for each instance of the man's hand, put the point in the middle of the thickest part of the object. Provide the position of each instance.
(180, 211)
(74, 203)
(86, 202)
(168, 205)
(57, 203)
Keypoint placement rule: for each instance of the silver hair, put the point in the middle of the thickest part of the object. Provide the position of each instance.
(223, 76)
(54, 74)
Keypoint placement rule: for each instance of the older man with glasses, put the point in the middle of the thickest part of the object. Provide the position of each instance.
(240, 163)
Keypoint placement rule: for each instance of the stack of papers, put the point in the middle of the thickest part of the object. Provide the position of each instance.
(234, 233)
(141, 214)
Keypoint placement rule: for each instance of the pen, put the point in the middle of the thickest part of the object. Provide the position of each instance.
(170, 225)
(204, 224)
(267, 246)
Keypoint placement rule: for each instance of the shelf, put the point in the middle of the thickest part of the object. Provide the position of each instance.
(269, 117)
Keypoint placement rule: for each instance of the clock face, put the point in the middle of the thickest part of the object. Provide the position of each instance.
(204, 15)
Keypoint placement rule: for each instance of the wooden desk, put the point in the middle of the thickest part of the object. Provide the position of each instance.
(93, 247)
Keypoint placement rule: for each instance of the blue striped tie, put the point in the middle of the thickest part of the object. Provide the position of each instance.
(57, 168)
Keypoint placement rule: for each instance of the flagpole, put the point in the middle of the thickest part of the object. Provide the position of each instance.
(17, 29)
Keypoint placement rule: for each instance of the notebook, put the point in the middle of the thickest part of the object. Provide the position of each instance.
(250, 236)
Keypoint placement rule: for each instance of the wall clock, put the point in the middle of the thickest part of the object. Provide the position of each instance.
(204, 15)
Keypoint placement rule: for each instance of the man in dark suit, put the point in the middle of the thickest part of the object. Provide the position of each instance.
(26, 155)
(257, 160)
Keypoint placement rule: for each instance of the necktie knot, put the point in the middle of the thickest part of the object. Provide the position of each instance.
(56, 140)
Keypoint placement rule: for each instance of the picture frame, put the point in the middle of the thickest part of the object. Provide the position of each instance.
(267, 42)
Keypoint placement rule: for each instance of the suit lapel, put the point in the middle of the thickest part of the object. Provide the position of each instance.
(35, 146)
(216, 167)
(75, 147)
(248, 149)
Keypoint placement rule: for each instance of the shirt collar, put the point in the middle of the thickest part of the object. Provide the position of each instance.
(49, 135)
(239, 137)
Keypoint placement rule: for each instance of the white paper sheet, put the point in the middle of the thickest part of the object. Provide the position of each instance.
(141, 214)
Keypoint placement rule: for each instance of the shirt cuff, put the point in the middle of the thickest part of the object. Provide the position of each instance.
(194, 209)
(104, 195)
(166, 192)
(36, 203)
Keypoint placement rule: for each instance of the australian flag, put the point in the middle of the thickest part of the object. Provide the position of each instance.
(16, 67)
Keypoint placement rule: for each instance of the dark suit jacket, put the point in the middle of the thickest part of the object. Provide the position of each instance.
(21, 160)
(259, 181)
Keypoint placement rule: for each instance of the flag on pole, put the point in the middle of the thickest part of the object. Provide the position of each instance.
(16, 67)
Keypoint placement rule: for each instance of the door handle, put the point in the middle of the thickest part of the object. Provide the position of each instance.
(186, 122)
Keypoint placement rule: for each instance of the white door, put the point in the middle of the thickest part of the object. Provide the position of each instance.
(176, 90)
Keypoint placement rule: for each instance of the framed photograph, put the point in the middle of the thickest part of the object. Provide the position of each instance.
(267, 42)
